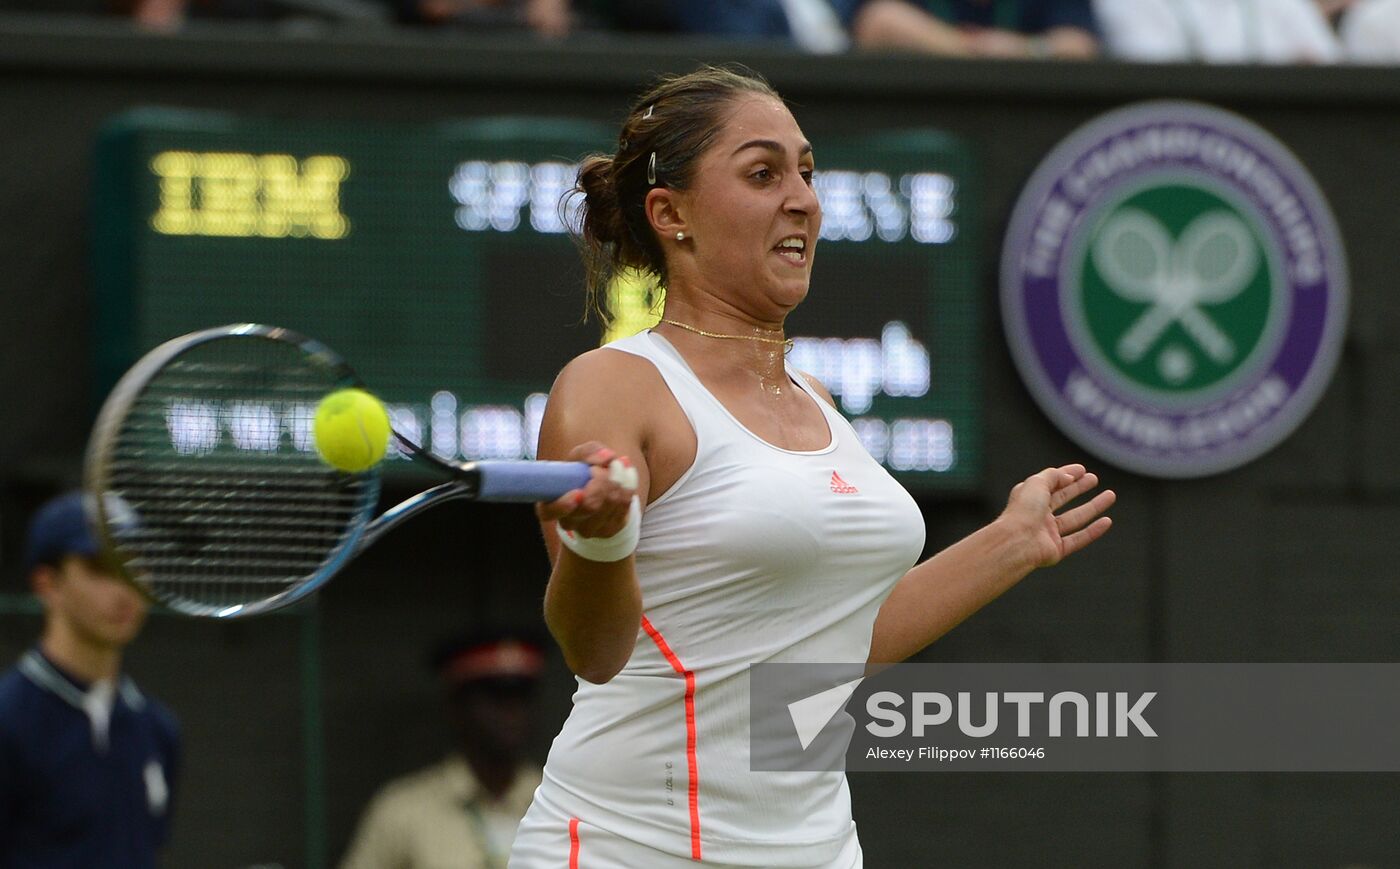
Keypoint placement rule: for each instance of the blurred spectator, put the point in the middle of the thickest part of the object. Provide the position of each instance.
(980, 28)
(1333, 10)
(87, 762)
(1217, 31)
(171, 15)
(956, 28)
(157, 14)
(549, 18)
(812, 25)
(56, 7)
(463, 811)
(1371, 32)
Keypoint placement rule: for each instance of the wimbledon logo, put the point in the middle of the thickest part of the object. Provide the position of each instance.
(1174, 289)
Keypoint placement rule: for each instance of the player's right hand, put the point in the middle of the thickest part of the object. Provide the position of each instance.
(600, 508)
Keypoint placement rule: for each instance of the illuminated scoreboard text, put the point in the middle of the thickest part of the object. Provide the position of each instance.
(440, 264)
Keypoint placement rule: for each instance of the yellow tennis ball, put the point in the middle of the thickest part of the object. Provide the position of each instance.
(351, 430)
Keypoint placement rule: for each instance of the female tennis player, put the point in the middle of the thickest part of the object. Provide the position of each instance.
(768, 534)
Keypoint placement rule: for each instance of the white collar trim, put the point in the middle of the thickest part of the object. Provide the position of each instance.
(96, 703)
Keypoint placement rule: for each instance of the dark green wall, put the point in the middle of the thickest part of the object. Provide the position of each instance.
(1288, 559)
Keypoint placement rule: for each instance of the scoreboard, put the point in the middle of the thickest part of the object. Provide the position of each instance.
(437, 259)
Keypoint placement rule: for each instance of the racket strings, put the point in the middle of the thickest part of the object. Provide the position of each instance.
(230, 504)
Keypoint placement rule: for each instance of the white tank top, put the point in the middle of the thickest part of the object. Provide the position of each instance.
(756, 554)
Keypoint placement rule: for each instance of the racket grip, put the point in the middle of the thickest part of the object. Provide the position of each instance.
(529, 481)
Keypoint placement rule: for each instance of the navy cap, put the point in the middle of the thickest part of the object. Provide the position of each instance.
(60, 528)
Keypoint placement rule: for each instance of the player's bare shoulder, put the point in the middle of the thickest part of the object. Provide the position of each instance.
(611, 381)
(620, 399)
(602, 395)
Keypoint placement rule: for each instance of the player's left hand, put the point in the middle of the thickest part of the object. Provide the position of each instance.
(1049, 537)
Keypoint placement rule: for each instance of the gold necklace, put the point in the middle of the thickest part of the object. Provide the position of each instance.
(786, 342)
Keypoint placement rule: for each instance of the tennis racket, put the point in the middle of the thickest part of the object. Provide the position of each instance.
(207, 491)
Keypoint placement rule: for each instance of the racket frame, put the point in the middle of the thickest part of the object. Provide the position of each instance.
(467, 480)
(97, 474)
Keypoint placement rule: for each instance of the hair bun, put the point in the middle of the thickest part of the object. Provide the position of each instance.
(616, 233)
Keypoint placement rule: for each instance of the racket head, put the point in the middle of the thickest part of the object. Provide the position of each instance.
(206, 488)
(1133, 254)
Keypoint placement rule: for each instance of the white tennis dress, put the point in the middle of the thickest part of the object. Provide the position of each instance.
(756, 554)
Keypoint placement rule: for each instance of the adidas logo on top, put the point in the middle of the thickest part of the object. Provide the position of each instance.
(840, 486)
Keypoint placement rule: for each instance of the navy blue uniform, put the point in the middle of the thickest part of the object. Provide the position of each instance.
(764, 19)
(78, 792)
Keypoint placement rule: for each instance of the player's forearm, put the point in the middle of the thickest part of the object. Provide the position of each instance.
(594, 610)
(935, 596)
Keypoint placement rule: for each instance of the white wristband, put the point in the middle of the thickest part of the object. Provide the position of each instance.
(614, 548)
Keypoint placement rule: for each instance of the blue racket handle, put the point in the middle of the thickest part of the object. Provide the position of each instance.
(529, 481)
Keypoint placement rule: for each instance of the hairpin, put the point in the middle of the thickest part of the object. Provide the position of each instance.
(651, 169)
(649, 108)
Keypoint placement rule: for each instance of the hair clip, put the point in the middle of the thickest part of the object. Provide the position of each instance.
(648, 114)
(622, 146)
(651, 169)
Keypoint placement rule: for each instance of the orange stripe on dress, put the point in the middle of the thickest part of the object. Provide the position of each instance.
(692, 766)
(573, 843)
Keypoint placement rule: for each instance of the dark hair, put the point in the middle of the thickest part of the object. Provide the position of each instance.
(675, 118)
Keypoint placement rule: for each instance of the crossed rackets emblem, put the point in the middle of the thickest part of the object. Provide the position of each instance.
(1212, 262)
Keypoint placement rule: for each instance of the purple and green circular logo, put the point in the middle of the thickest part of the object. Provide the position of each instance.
(1174, 289)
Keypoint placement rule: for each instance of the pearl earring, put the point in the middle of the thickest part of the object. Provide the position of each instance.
(680, 236)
